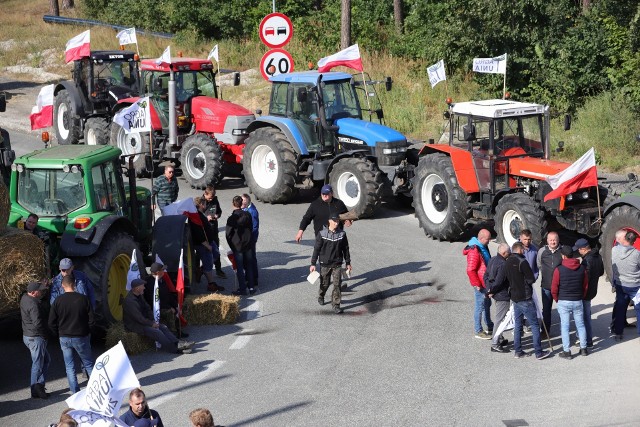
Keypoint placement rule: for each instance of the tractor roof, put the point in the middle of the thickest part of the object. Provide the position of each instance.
(60, 155)
(496, 108)
(177, 63)
(106, 55)
(309, 77)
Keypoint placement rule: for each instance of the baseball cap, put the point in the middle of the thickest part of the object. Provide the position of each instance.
(35, 286)
(144, 422)
(155, 267)
(137, 282)
(580, 243)
(65, 264)
(567, 251)
(326, 189)
(334, 217)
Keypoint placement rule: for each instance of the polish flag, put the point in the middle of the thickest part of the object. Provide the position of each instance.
(180, 289)
(582, 173)
(349, 57)
(78, 47)
(42, 113)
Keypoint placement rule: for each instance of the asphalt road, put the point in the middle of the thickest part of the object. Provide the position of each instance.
(403, 353)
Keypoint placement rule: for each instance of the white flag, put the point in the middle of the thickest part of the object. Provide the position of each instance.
(112, 377)
(165, 57)
(93, 419)
(127, 36)
(497, 65)
(534, 296)
(136, 118)
(436, 73)
(507, 323)
(156, 306)
(214, 54)
(134, 270)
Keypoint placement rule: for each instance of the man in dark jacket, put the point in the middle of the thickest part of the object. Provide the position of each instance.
(332, 247)
(139, 409)
(238, 234)
(213, 211)
(320, 210)
(34, 336)
(520, 278)
(203, 236)
(497, 286)
(71, 318)
(548, 259)
(568, 288)
(592, 261)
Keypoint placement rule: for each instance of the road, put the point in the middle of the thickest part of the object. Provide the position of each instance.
(403, 353)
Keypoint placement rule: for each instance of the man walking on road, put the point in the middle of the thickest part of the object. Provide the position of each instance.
(477, 253)
(549, 258)
(625, 260)
(165, 189)
(34, 336)
(247, 206)
(71, 318)
(592, 261)
(238, 234)
(520, 278)
(320, 210)
(498, 288)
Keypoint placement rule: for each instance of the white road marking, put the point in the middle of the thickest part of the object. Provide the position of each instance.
(252, 311)
(240, 342)
(207, 371)
(157, 401)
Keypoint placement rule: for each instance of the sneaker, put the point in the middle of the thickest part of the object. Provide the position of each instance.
(589, 345)
(220, 288)
(344, 288)
(504, 342)
(543, 355)
(483, 335)
(221, 274)
(182, 345)
(499, 349)
(337, 309)
(252, 291)
(212, 287)
(584, 352)
(565, 355)
(490, 332)
(520, 354)
(618, 337)
(321, 300)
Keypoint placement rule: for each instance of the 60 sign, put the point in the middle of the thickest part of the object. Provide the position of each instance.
(274, 62)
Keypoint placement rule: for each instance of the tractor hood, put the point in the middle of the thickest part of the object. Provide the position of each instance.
(535, 168)
(211, 114)
(370, 133)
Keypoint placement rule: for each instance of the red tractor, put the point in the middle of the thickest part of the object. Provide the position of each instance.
(190, 123)
(492, 165)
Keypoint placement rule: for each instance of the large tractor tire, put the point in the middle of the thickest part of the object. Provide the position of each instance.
(516, 212)
(201, 159)
(358, 183)
(66, 132)
(5, 171)
(172, 236)
(96, 131)
(131, 143)
(622, 217)
(269, 166)
(440, 204)
(107, 269)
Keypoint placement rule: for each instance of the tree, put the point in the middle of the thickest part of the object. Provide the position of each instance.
(398, 18)
(68, 4)
(54, 8)
(345, 23)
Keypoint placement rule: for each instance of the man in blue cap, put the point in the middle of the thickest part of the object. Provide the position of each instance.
(592, 261)
(320, 210)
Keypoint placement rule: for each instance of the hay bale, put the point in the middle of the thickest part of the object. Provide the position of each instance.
(211, 309)
(22, 261)
(133, 343)
(5, 206)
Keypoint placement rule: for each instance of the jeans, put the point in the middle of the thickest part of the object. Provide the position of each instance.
(586, 315)
(528, 310)
(206, 257)
(482, 305)
(163, 335)
(253, 265)
(547, 303)
(565, 309)
(623, 295)
(82, 346)
(502, 307)
(40, 359)
(242, 259)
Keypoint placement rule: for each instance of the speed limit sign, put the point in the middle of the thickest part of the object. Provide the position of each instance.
(274, 62)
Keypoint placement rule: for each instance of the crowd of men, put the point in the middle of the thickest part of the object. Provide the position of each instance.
(568, 275)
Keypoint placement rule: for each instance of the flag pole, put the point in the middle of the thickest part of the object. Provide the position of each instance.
(504, 80)
(218, 62)
(546, 333)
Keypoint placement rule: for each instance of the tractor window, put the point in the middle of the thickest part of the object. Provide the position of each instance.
(518, 136)
(50, 192)
(368, 99)
(340, 100)
(106, 191)
(278, 105)
(186, 86)
(207, 84)
(115, 73)
(303, 106)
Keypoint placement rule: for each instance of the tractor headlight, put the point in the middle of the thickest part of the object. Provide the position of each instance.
(585, 195)
(569, 197)
(239, 132)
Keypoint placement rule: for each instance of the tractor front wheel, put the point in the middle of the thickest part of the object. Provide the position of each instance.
(516, 212)
(440, 204)
(623, 217)
(96, 131)
(67, 132)
(131, 143)
(358, 183)
(201, 159)
(269, 166)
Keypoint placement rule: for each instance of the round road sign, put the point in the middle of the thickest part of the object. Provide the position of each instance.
(276, 30)
(274, 62)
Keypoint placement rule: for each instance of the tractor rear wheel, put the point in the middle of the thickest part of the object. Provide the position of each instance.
(131, 143)
(201, 159)
(358, 183)
(623, 217)
(107, 269)
(269, 166)
(440, 204)
(516, 212)
(96, 131)
(66, 132)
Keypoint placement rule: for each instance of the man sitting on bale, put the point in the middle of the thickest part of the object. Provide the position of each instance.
(138, 317)
(167, 292)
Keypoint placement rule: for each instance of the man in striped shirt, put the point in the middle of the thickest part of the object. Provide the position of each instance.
(165, 188)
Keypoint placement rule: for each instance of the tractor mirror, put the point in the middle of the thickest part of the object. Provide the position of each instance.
(236, 79)
(148, 163)
(560, 147)
(469, 132)
(567, 121)
(446, 115)
(3, 103)
(380, 114)
(388, 82)
(302, 94)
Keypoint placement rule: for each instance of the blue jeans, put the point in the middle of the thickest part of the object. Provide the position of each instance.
(624, 294)
(586, 315)
(528, 310)
(253, 265)
(565, 309)
(242, 259)
(162, 334)
(40, 359)
(482, 305)
(547, 303)
(206, 257)
(82, 346)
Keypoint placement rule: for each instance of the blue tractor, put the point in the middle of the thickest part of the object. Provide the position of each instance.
(315, 134)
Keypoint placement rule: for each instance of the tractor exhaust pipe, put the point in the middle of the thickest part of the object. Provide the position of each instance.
(547, 132)
(172, 108)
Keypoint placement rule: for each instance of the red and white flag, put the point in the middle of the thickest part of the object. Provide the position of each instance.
(349, 57)
(582, 173)
(42, 114)
(180, 289)
(78, 47)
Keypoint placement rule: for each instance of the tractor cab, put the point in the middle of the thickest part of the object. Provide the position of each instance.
(368, 96)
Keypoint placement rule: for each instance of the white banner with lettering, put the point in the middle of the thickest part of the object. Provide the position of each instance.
(136, 118)
(497, 65)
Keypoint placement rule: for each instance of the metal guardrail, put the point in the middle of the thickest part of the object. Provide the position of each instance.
(51, 19)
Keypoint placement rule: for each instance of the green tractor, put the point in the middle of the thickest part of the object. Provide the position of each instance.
(79, 194)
